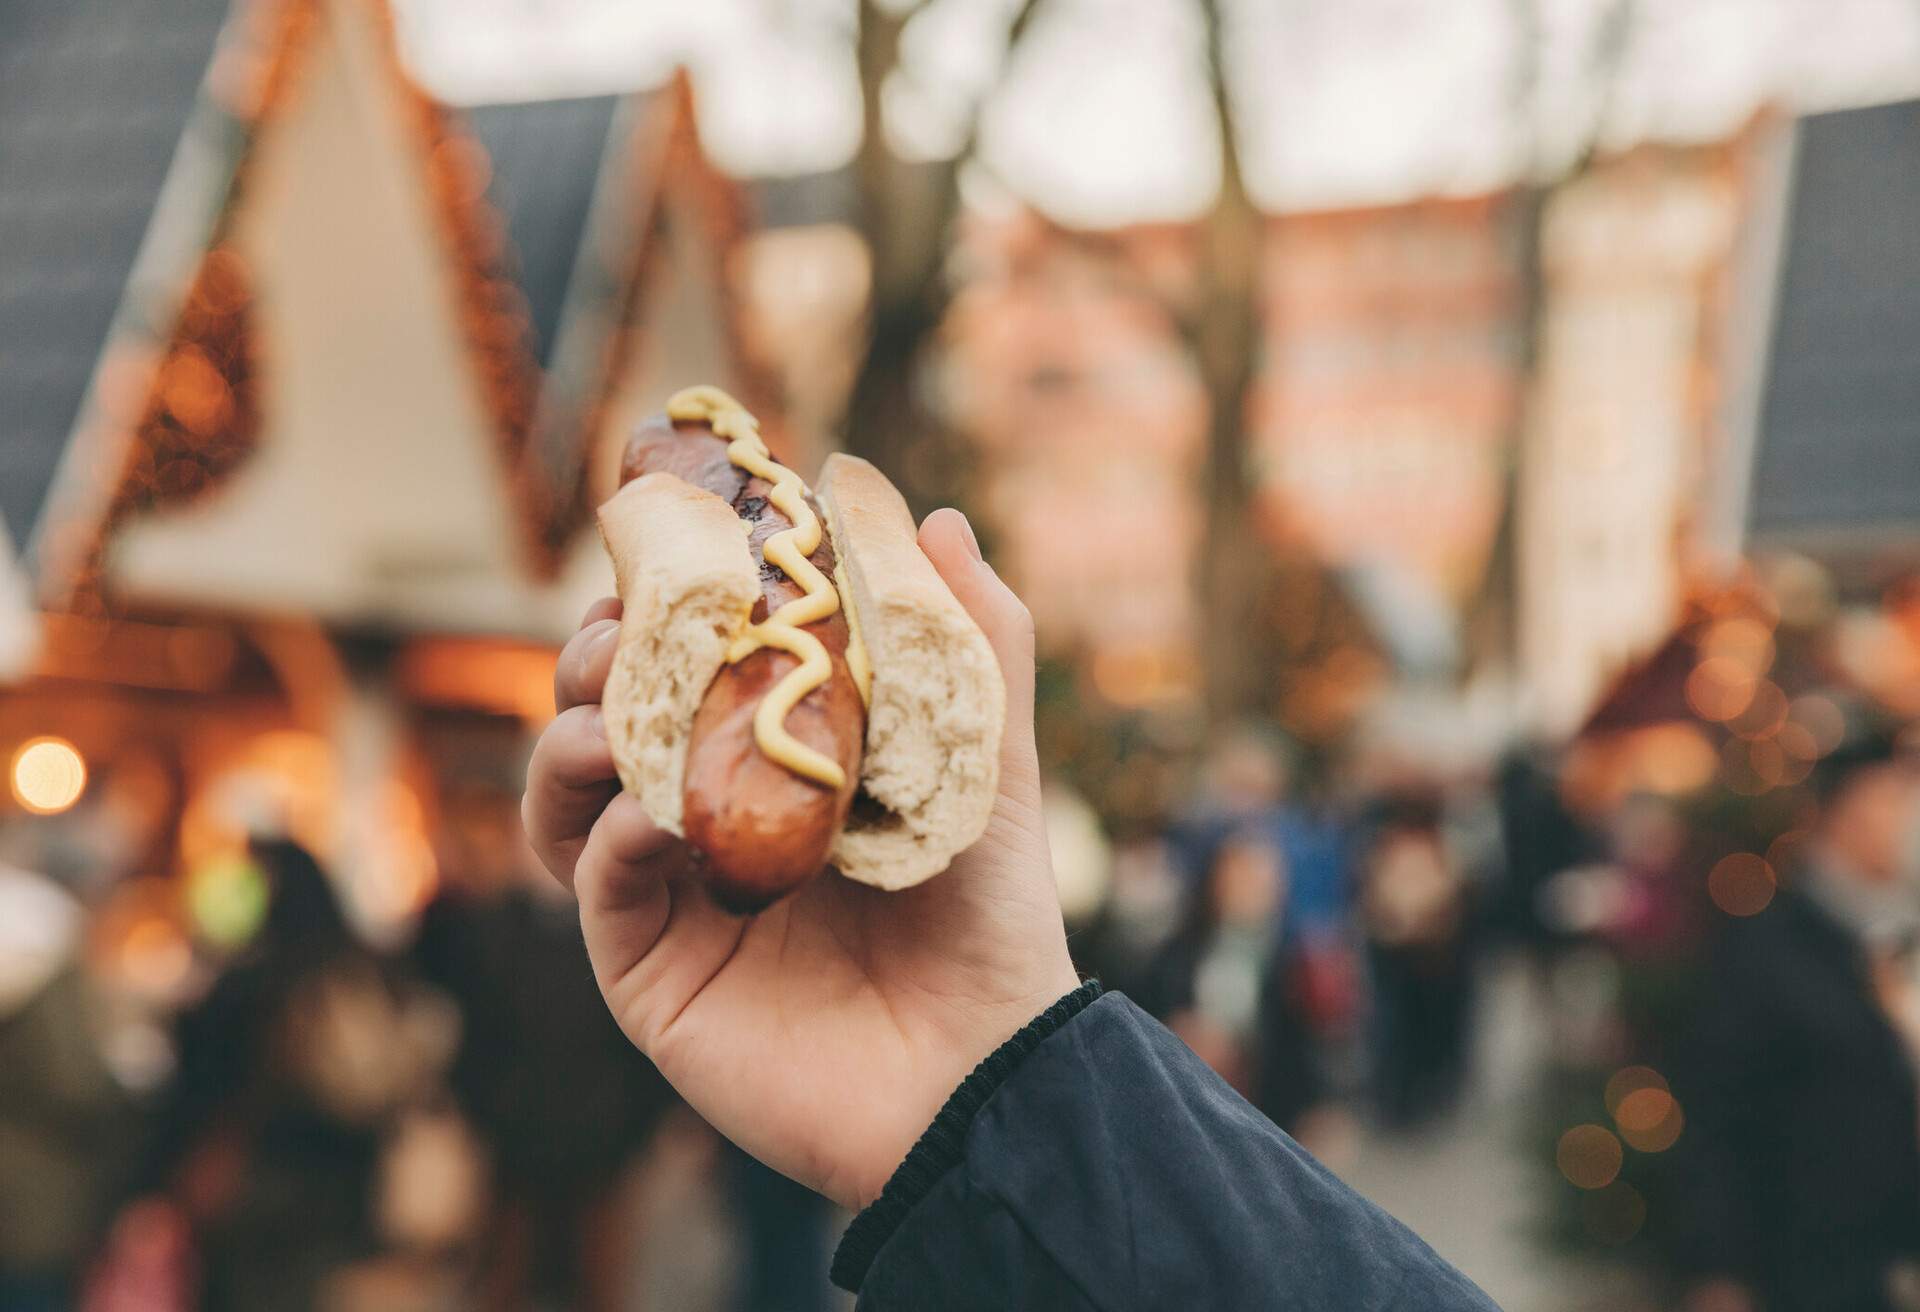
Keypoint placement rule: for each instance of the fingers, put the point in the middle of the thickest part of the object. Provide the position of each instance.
(580, 674)
(631, 886)
(606, 608)
(949, 542)
(625, 858)
(570, 780)
(621, 881)
(1012, 865)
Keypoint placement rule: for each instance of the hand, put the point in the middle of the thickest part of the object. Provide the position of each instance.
(823, 1034)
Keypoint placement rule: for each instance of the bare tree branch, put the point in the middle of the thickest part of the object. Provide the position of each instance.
(908, 211)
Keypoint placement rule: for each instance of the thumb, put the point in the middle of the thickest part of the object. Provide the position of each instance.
(1017, 825)
(948, 541)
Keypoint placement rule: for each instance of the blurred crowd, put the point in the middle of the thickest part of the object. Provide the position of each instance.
(300, 1115)
(1712, 891)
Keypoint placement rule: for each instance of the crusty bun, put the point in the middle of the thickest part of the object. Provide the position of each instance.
(938, 701)
(686, 577)
(687, 584)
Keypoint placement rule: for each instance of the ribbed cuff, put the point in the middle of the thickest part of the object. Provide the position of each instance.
(944, 1143)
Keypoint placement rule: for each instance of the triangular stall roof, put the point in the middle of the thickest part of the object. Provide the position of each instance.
(650, 308)
(545, 158)
(94, 97)
(1837, 469)
(327, 413)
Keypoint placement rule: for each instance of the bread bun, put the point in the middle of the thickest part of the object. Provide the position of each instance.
(687, 580)
(687, 585)
(938, 702)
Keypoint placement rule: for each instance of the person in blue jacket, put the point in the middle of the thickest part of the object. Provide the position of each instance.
(1008, 1136)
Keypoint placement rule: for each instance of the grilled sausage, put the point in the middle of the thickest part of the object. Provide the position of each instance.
(758, 829)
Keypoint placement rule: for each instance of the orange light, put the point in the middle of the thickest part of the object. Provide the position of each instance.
(1589, 1156)
(1643, 1109)
(1823, 720)
(1794, 769)
(154, 956)
(1719, 689)
(1764, 712)
(1672, 759)
(401, 876)
(49, 774)
(1630, 1080)
(1649, 1120)
(1140, 674)
(1746, 642)
(201, 654)
(1741, 884)
(1768, 762)
(506, 678)
(1784, 852)
(1797, 741)
(194, 392)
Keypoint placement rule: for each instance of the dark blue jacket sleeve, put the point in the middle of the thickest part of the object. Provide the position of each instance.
(1097, 1163)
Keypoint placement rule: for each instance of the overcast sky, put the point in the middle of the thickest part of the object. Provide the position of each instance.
(1102, 116)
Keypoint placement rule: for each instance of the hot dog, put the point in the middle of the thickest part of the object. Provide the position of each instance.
(759, 828)
(794, 685)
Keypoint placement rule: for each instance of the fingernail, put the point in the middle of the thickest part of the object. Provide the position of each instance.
(597, 722)
(973, 543)
(597, 644)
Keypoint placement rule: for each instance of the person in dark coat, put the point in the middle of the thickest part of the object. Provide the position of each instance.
(1414, 912)
(1801, 1151)
(1540, 838)
(268, 1136)
(561, 1101)
(1009, 1136)
(1229, 982)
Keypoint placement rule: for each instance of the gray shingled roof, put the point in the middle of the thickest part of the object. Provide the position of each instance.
(546, 159)
(93, 97)
(1839, 446)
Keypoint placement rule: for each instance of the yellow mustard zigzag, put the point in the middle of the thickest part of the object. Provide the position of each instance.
(788, 549)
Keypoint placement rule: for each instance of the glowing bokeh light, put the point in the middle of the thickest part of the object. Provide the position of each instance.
(1821, 718)
(1629, 1080)
(1797, 741)
(49, 774)
(1768, 762)
(1589, 1156)
(1719, 689)
(155, 957)
(1763, 714)
(1741, 884)
(1670, 759)
(227, 900)
(1784, 852)
(1649, 1120)
(1743, 641)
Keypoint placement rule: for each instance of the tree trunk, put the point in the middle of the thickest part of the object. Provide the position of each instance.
(1226, 339)
(907, 216)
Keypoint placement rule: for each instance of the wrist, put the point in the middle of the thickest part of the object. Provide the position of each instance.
(955, 1048)
(942, 1145)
